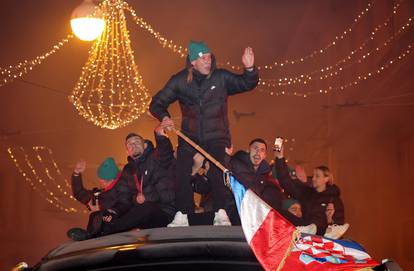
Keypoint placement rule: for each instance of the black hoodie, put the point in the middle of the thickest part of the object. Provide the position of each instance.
(203, 101)
(313, 203)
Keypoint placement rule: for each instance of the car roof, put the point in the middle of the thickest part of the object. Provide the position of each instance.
(180, 248)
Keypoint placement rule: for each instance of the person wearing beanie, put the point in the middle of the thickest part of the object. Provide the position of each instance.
(106, 203)
(107, 170)
(293, 206)
(144, 195)
(202, 90)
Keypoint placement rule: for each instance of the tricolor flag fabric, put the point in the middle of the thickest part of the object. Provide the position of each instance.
(278, 246)
(268, 233)
(313, 252)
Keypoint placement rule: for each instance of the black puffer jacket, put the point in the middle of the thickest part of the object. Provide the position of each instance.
(153, 166)
(114, 197)
(313, 203)
(203, 101)
(261, 181)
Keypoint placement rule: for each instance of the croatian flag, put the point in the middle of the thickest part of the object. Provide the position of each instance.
(268, 233)
(277, 246)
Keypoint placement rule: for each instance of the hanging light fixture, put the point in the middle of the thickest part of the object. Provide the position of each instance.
(87, 22)
(110, 91)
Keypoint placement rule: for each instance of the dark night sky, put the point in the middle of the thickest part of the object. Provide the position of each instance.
(370, 147)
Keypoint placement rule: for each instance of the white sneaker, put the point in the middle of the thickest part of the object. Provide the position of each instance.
(336, 231)
(180, 220)
(309, 229)
(221, 218)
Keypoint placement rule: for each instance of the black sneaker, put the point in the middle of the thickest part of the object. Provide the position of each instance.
(78, 234)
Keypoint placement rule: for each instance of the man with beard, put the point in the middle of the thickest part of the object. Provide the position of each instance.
(202, 91)
(143, 193)
(149, 184)
(255, 173)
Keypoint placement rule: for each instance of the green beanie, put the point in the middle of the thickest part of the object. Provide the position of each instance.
(197, 49)
(108, 169)
(287, 203)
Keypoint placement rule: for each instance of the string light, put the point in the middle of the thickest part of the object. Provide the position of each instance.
(43, 190)
(61, 188)
(341, 65)
(110, 92)
(349, 84)
(8, 74)
(316, 52)
(180, 50)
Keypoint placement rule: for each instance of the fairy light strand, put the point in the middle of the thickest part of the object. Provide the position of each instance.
(170, 44)
(352, 83)
(10, 73)
(49, 196)
(341, 65)
(110, 92)
(62, 189)
(316, 52)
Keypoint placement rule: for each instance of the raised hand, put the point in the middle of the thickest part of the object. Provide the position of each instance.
(248, 58)
(80, 167)
(279, 154)
(301, 174)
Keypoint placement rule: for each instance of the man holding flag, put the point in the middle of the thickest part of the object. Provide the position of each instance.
(202, 91)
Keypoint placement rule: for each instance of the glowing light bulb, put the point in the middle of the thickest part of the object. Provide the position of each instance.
(87, 23)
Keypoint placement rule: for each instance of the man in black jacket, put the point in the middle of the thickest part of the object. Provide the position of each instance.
(202, 91)
(255, 173)
(149, 184)
(143, 194)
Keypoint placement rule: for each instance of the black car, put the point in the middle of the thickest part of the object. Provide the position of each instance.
(183, 248)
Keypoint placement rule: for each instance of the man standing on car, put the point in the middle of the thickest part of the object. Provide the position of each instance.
(202, 91)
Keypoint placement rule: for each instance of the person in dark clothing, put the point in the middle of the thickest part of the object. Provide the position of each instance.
(254, 172)
(143, 191)
(201, 185)
(202, 91)
(149, 184)
(105, 204)
(293, 206)
(321, 202)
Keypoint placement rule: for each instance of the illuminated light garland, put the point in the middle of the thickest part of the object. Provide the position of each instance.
(339, 67)
(180, 50)
(321, 51)
(110, 92)
(49, 196)
(8, 74)
(342, 87)
(61, 188)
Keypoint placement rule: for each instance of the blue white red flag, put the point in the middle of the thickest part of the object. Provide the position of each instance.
(278, 246)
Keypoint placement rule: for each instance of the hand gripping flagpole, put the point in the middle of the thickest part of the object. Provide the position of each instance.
(226, 175)
(226, 172)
